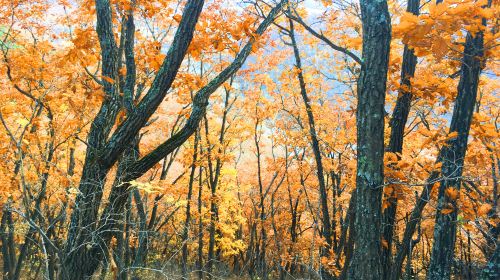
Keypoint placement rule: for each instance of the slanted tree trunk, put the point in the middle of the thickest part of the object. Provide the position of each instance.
(398, 123)
(83, 251)
(453, 154)
(491, 271)
(366, 262)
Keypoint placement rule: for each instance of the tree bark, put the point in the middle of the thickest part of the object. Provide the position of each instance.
(82, 253)
(453, 158)
(366, 262)
(398, 124)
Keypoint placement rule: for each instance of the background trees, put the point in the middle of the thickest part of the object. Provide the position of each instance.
(270, 139)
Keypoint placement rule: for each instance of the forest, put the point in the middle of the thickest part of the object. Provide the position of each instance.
(249, 139)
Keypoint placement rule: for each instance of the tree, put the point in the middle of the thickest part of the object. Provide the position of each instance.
(453, 157)
(248, 168)
(366, 263)
(104, 150)
(398, 123)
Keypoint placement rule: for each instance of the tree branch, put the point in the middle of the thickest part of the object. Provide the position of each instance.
(200, 102)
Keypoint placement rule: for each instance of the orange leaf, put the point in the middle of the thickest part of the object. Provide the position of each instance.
(451, 135)
(452, 193)
(108, 79)
(178, 18)
(439, 47)
(447, 211)
(484, 209)
(385, 244)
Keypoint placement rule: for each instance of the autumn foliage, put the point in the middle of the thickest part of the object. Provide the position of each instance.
(219, 139)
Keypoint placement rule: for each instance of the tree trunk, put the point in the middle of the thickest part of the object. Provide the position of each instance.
(413, 221)
(327, 227)
(366, 263)
(492, 269)
(83, 252)
(200, 226)
(453, 159)
(142, 248)
(185, 232)
(398, 124)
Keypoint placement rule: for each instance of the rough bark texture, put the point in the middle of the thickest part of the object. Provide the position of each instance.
(366, 262)
(80, 259)
(462, 105)
(84, 246)
(453, 159)
(492, 269)
(397, 124)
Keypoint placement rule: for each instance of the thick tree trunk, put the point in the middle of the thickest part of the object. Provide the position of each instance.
(366, 262)
(83, 250)
(453, 159)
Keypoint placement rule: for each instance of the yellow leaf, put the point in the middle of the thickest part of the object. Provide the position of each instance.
(73, 191)
(22, 121)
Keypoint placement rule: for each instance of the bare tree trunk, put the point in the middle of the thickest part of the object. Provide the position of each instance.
(366, 263)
